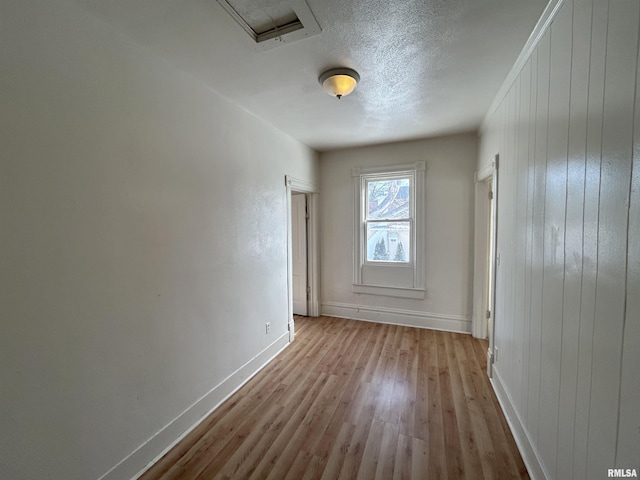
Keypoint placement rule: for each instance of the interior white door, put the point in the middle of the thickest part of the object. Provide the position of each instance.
(299, 260)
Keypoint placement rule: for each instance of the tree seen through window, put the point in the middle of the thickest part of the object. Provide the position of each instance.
(388, 219)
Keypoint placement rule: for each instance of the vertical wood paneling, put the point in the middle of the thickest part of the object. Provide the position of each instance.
(554, 227)
(529, 237)
(617, 141)
(512, 349)
(502, 232)
(568, 293)
(522, 158)
(628, 454)
(596, 74)
(537, 260)
(574, 236)
(506, 248)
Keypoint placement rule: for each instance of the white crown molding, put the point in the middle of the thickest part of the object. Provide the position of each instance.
(539, 30)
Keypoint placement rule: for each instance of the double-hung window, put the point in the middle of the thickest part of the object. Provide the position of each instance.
(389, 217)
(389, 206)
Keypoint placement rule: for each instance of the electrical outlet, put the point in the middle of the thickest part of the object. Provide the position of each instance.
(268, 327)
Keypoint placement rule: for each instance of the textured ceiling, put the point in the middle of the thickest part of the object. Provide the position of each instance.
(427, 67)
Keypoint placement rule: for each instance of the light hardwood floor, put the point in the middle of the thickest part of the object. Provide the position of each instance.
(356, 400)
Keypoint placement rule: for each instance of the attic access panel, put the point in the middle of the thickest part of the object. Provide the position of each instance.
(273, 22)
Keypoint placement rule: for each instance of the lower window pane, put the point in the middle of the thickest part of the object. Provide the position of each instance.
(388, 242)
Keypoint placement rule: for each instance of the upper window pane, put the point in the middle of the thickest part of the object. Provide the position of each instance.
(388, 199)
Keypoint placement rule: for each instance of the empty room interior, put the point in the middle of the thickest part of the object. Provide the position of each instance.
(319, 239)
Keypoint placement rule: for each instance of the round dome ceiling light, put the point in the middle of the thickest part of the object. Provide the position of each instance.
(339, 82)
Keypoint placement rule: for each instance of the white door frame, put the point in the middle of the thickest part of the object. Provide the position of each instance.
(481, 239)
(300, 261)
(300, 186)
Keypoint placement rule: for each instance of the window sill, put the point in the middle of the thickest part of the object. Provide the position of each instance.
(416, 293)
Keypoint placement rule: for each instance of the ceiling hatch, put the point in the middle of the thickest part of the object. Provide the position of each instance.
(273, 22)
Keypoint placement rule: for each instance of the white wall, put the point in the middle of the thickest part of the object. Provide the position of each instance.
(142, 226)
(567, 313)
(450, 165)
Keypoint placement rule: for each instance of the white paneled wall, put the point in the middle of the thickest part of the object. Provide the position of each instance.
(567, 310)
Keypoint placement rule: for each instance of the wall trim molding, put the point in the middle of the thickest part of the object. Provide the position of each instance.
(485, 171)
(380, 290)
(300, 185)
(538, 32)
(525, 445)
(143, 457)
(397, 316)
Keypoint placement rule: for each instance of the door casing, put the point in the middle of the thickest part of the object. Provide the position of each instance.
(299, 257)
(485, 256)
(294, 185)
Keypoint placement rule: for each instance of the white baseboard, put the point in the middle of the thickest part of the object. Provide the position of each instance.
(519, 432)
(135, 464)
(396, 316)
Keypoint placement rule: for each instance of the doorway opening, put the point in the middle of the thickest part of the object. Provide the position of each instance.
(299, 261)
(303, 280)
(485, 257)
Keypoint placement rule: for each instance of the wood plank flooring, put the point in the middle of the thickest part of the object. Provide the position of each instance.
(356, 400)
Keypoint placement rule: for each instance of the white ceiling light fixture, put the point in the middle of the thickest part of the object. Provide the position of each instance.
(339, 82)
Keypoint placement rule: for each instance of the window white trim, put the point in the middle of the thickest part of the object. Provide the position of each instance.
(417, 289)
